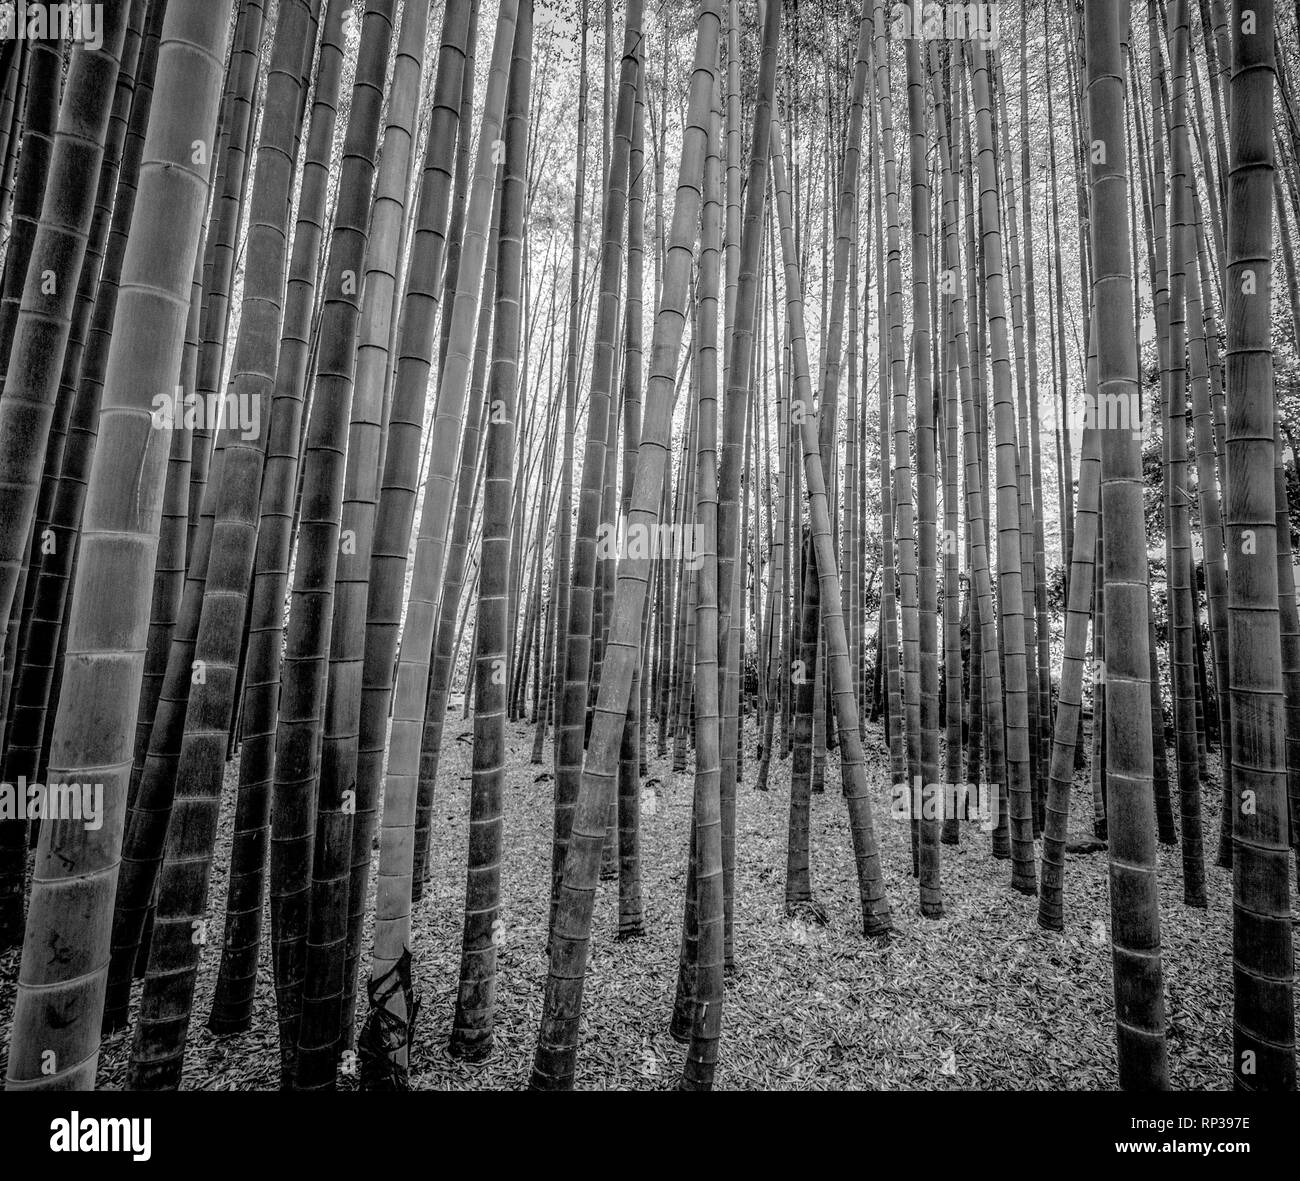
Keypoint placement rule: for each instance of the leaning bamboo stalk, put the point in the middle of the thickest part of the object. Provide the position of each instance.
(42, 315)
(352, 492)
(875, 906)
(232, 1005)
(476, 997)
(578, 680)
(391, 947)
(159, 1044)
(1011, 600)
(553, 1066)
(60, 999)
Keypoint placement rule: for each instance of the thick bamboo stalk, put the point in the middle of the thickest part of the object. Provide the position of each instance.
(60, 999)
(1135, 915)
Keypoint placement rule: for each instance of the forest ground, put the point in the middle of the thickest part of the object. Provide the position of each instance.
(981, 998)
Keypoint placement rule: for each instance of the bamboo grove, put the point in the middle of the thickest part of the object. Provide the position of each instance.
(760, 388)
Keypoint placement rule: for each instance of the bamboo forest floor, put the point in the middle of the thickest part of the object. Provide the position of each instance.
(981, 998)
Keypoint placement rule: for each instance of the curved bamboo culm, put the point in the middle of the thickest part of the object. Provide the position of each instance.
(1183, 614)
(401, 465)
(466, 33)
(220, 261)
(170, 576)
(153, 778)
(1024, 876)
(554, 1059)
(13, 65)
(32, 682)
(15, 277)
(54, 582)
(1263, 1026)
(40, 119)
(1055, 281)
(232, 1004)
(390, 1003)
(43, 627)
(866, 855)
(832, 360)
(158, 1049)
(591, 523)
(60, 1000)
(1069, 703)
(353, 494)
(735, 370)
(446, 634)
(483, 929)
(1130, 803)
(169, 586)
(41, 326)
(833, 339)
(304, 671)
(446, 637)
